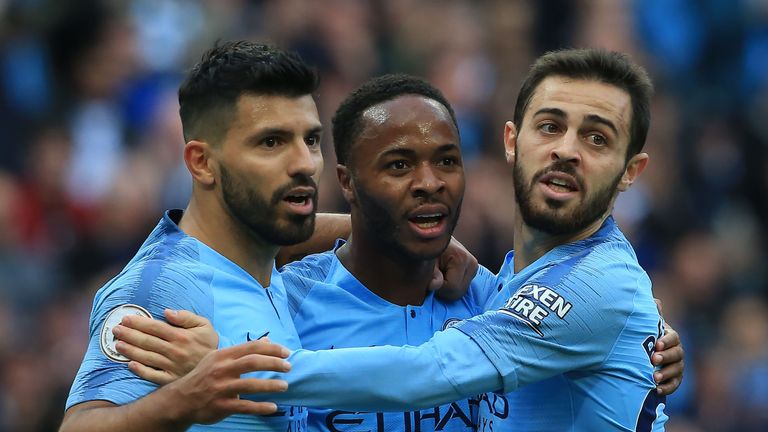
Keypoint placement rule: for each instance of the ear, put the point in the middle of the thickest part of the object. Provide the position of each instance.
(346, 182)
(633, 170)
(197, 157)
(510, 141)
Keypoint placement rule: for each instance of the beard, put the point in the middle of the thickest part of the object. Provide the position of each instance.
(261, 217)
(549, 219)
(385, 228)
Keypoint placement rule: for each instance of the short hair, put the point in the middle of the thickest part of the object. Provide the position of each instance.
(593, 64)
(347, 121)
(209, 94)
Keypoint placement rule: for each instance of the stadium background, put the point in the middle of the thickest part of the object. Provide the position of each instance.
(90, 149)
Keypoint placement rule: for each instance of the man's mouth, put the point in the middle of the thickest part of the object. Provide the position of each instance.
(427, 221)
(560, 182)
(301, 200)
(560, 185)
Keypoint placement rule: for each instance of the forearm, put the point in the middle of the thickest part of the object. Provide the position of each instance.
(328, 228)
(447, 368)
(157, 411)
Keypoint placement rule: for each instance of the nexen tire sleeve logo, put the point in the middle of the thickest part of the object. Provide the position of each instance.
(532, 304)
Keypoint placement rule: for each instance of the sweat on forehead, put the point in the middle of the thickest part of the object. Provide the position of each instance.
(348, 119)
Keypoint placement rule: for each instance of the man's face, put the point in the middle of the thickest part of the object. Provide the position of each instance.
(406, 176)
(570, 153)
(269, 164)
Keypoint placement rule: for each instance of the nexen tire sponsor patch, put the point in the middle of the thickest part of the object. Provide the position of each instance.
(533, 303)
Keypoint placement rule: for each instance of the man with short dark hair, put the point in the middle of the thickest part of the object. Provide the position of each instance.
(253, 150)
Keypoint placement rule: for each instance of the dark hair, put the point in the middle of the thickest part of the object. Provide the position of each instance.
(609, 67)
(347, 123)
(208, 95)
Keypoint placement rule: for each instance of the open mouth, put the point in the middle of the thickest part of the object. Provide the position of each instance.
(560, 185)
(300, 200)
(428, 220)
(559, 182)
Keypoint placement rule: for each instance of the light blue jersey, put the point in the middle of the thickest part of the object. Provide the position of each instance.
(587, 312)
(173, 270)
(337, 311)
(572, 333)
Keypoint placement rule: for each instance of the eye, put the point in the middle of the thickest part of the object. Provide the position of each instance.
(448, 161)
(549, 128)
(270, 141)
(312, 140)
(597, 139)
(398, 165)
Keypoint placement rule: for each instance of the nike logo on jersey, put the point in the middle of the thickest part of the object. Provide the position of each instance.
(248, 336)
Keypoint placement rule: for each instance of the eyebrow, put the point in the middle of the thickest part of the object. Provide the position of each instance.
(410, 152)
(283, 132)
(317, 130)
(554, 111)
(594, 118)
(597, 119)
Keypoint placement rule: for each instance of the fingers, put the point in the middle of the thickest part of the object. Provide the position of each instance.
(259, 363)
(141, 340)
(669, 372)
(669, 387)
(148, 358)
(242, 406)
(437, 279)
(157, 328)
(185, 319)
(668, 356)
(453, 285)
(153, 375)
(255, 385)
(256, 347)
(670, 339)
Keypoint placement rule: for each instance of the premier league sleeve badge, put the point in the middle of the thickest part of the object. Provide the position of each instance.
(107, 340)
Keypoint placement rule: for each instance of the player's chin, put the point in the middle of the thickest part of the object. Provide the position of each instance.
(294, 230)
(427, 249)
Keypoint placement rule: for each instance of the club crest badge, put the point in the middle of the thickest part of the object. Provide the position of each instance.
(107, 340)
(450, 322)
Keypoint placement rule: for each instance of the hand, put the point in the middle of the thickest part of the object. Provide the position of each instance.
(454, 271)
(161, 352)
(211, 391)
(669, 354)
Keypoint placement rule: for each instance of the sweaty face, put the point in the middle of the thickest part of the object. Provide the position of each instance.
(407, 176)
(269, 164)
(570, 154)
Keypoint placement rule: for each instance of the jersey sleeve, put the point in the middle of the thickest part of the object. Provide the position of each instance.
(154, 288)
(559, 321)
(482, 288)
(449, 367)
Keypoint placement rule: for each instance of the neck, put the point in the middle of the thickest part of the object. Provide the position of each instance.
(531, 244)
(397, 279)
(212, 225)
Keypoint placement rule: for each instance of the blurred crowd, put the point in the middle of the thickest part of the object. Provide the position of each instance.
(90, 156)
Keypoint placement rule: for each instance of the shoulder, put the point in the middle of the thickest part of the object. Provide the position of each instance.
(609, 263)
(483, 287)
(313, 267)
(158, 278)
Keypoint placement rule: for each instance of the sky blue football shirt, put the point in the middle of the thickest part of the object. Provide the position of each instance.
(173, 270)
(334, 310)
